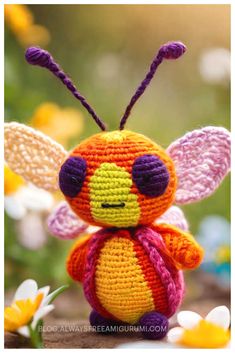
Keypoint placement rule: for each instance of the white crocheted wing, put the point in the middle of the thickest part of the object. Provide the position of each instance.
(34, 156)
(174, 216)
(202, 160)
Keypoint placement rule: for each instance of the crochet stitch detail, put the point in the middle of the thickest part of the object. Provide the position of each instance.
(64, 224)
(34, 156)
(183, 248)
(109, 195)
(202, 160)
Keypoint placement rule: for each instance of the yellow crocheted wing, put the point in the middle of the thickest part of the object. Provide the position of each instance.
(182, 247)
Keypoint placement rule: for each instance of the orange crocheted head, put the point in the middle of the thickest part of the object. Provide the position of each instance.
(118, 178)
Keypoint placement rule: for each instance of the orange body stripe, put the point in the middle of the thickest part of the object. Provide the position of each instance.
(76, 259)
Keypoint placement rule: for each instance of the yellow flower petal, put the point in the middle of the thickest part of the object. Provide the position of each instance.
(20, 20)
(10, 325)
(21, 312)
(205, 335)
(18, 17)
(60, 124)
(38, 300)
(33, 35)
(12, 181)
(12, 318)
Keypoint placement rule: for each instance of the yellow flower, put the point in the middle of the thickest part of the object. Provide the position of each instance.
(21, 22)
(12, 181)
(196, 332)
(30, 304)
(20, 313)
(18, 17)
(59, 124)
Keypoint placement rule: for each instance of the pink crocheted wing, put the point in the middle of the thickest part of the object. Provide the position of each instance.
(63, 223)
(202, 160)
(175, 217)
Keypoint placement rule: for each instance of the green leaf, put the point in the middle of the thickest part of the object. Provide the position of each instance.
(38, 328)
(36, 337)
(51, 297)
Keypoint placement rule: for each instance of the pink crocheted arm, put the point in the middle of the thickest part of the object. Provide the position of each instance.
(202, 160)
(183, 248)
(64, 224)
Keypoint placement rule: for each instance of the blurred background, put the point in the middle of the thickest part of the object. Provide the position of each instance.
(107, 49)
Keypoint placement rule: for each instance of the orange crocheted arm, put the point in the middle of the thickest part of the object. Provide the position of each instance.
(76, 259)
(182, 246)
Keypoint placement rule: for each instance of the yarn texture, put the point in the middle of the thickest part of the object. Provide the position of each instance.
(33, 155)
(127, 273)
(121, 181)
(64, 224)
(202, 160)
(129, 180)
(174, 216)
(153, 319)
(41, 57)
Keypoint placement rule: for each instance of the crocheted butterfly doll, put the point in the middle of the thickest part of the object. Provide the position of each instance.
(121, 181)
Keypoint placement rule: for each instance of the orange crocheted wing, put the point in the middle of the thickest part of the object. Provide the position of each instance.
(185, 251)
(76, 259)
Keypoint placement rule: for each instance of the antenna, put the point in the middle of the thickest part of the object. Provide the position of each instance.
(41, 57)
(171, 50)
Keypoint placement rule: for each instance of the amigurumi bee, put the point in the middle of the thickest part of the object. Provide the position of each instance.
(121, 181)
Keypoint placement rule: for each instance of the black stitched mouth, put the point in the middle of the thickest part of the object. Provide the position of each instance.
(113, 205)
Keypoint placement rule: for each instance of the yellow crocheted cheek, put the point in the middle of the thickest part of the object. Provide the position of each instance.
(112, 202)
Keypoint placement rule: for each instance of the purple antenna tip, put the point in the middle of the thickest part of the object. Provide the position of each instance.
(38, 56)
(41, 57)
(172, 50)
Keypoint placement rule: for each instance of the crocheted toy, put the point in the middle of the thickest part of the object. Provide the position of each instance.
(121, 181)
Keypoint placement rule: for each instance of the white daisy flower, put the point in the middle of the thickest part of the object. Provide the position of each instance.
(196, 332)
(21, 197)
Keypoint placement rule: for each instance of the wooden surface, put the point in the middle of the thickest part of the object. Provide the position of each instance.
(74, 331)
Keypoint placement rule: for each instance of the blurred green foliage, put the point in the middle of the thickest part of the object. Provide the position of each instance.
(107, 49)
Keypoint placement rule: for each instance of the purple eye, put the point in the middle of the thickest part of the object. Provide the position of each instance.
(150, 175)
(72, 175)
